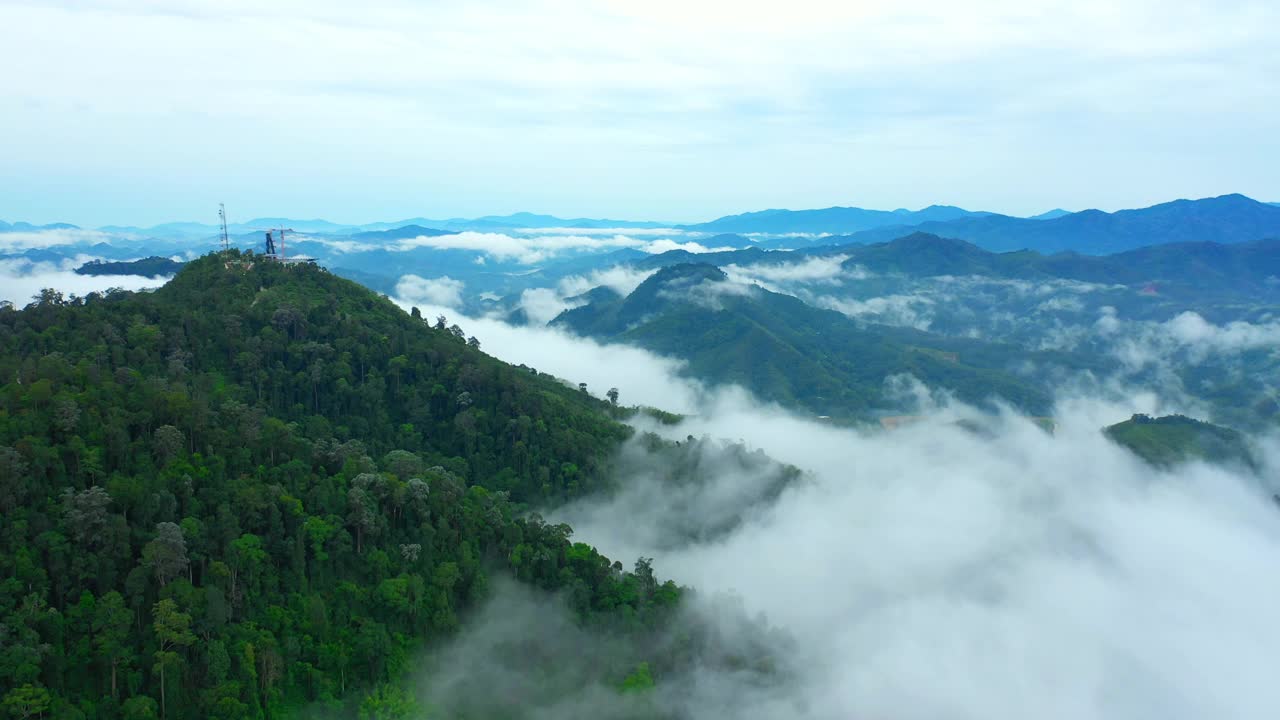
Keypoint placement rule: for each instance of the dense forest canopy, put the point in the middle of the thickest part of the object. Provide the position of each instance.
(258, 490)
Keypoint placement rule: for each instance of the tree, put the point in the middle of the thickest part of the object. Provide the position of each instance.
(639, 680)
(362, 512)
(387, 702)
(168, 443)
(86, 513)
(166, 554)
(473, 343)
(213, 452)
(613, 395)
(139, 707)
(27, 701)
(173, 630)
(13, 478)
(111, 624)
(247, 554)
(66, 414)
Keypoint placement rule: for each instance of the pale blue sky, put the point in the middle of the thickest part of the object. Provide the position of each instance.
(142, 111)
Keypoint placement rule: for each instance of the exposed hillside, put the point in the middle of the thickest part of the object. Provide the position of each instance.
(258, 490)
(789, 352)
(1167, 441)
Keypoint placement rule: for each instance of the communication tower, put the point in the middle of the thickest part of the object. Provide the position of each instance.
(222, 220)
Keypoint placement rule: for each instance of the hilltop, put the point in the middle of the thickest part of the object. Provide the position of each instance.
(1175, 439)
(260, 489)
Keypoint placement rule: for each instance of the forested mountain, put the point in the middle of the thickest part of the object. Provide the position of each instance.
(146, 267)
(1167, 441)
(789, 352)
(1199, 269)
(1225, 219)
(258, 490)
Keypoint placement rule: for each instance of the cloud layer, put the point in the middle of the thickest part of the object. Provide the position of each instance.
(21, 280)
(659, 109)
(963, 565)
(933, 571)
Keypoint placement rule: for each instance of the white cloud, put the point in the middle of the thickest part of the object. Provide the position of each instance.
(21, 279)
(433, 291)
(533, 249)
(529, 102)
(1191, 329)
(39, 239)
(542, 305)
(1188, 337)
(635, 232)
(622, 279)
(711, 293)
(524, 250)
(667, 245)
(641, 377)
(824, 269)
(908, 310)
(914, 566)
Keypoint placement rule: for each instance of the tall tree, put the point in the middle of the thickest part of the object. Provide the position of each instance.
(173, 630)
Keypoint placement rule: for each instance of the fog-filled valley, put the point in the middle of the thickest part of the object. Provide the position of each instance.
(595, 469)
(604, 360)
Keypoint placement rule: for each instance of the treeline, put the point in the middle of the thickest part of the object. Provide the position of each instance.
(261, 488)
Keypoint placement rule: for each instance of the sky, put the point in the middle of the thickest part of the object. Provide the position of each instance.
(145, 111)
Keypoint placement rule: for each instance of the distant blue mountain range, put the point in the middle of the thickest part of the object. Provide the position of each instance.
(1224, 219)
(834, 220)
(28, 227)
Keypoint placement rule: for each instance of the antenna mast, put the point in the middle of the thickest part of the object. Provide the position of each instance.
(222, 218)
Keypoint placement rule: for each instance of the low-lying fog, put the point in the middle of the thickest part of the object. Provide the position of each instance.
(21, 279)
(934, 571)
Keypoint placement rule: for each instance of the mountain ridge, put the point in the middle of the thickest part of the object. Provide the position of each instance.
(1224, 219)
(786, 351)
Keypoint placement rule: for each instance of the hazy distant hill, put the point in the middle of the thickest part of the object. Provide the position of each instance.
(28, 227)
(1225, 219)
(791, 353)
(835, 220)
(1050, 214)
(534, 220)
(400, 233)
(1201, 268)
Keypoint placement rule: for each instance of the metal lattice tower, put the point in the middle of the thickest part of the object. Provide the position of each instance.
(222, 219)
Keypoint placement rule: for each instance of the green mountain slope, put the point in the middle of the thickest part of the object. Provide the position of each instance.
(257, 491)
(1173, 439)
(1186, 270)
(788, 352)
